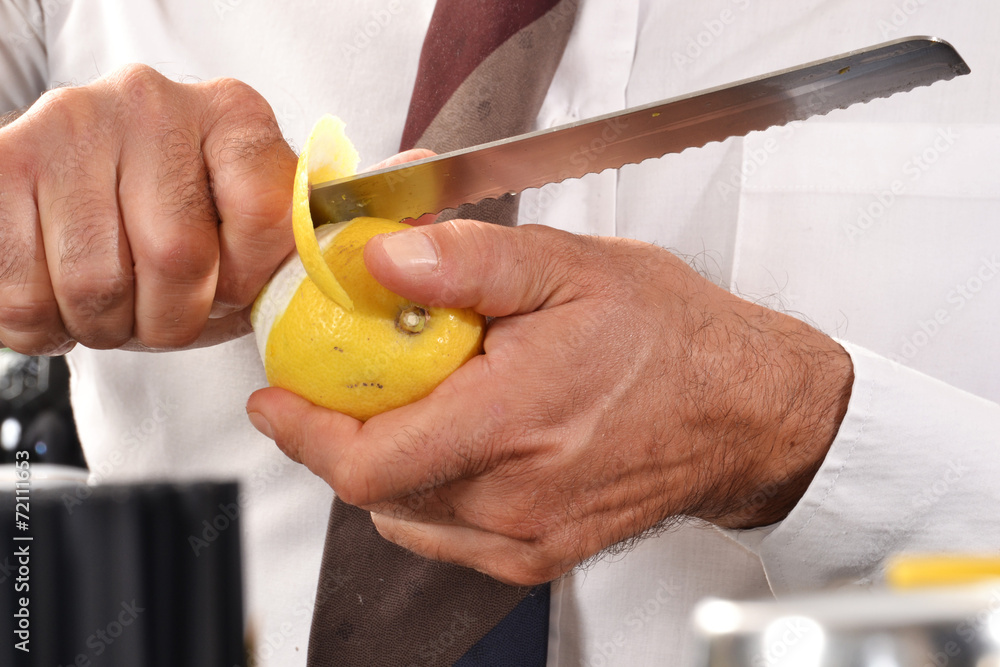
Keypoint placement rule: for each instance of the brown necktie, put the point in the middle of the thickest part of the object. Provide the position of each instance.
(484, 70)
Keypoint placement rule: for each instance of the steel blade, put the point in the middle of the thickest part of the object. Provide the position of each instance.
(633, 135)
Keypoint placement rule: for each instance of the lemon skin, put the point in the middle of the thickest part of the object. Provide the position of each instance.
(383, 353)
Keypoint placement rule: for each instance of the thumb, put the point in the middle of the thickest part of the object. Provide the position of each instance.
(306, 433)
(495, 270)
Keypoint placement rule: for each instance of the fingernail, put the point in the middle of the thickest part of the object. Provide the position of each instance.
(62, 349)
(410, 251)
(220, 310)
(261, 424)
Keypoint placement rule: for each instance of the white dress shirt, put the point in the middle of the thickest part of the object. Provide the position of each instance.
(879, 224)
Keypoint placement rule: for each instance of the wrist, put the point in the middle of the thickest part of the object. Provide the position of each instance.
(801, 382)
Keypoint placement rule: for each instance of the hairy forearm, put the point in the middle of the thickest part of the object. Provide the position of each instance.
(802, 383)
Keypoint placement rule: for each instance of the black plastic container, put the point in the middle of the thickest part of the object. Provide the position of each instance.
(136, 575)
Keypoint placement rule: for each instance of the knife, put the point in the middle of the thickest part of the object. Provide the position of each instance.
(610, 141)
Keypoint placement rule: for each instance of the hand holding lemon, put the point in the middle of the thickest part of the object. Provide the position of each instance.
(331, 333)
(618, 389)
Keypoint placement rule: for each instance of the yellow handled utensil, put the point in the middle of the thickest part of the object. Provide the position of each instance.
(924, 570)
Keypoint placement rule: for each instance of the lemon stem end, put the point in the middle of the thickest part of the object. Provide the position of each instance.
(412, 320)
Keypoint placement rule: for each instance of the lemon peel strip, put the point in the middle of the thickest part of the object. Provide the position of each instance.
(328, 154)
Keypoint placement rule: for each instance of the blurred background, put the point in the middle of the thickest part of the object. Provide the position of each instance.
(35, 413)
(143, 575)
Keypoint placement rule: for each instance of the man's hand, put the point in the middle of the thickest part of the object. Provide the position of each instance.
(618, 389)
(138, 212)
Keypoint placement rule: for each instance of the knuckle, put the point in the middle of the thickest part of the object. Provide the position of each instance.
(70, 141)
(352, 490)
(578, 261)
(537, 560)
(66, 134)
(185, 258)
(141, 86)
(30, 316)
(345, 479)
(247, 128)
(95, 291)
(233, 97)
(347, 493)
(233, 94)
(62, 109)
(539, 567)
(251, 144)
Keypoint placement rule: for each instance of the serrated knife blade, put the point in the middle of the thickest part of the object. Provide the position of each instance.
(627, 137)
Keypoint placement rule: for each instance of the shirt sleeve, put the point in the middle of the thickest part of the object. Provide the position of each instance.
(23, 61)
(914, 468)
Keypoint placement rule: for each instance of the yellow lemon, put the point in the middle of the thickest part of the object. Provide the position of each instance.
(328, 331)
